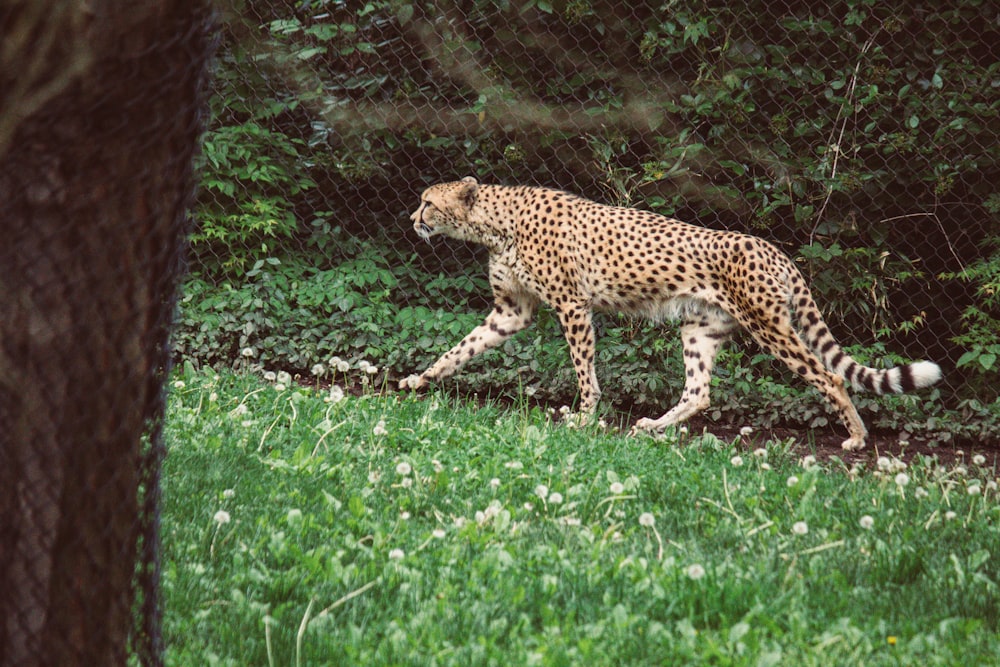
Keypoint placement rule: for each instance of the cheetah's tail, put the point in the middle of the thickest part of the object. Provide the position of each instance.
(899, 380)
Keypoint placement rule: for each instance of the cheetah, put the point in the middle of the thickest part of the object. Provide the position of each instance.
(579, 256)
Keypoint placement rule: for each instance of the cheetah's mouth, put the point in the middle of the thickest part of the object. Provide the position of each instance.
(423, 230)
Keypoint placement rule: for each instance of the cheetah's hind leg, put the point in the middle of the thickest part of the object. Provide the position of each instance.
(701, 338)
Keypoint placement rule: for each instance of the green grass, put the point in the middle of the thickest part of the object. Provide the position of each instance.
(409, 531)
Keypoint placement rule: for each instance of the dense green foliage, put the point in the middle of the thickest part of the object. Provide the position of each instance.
(859, 136)
(302, 527)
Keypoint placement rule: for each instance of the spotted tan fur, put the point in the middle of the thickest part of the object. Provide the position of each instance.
(580, 256)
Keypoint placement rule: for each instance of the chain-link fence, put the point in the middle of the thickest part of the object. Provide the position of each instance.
(860, 137)
(100, 113)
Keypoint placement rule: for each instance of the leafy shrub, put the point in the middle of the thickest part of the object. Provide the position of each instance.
(853, 134)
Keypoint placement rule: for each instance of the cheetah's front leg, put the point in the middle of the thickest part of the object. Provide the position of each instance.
(508, 316)
(577, 324)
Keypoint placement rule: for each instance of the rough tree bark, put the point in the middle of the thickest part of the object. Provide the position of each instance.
(100, 112)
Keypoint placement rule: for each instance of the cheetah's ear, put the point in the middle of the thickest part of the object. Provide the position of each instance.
(469, 192)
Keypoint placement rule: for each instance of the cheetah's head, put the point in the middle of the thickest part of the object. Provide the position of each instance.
(445, 207)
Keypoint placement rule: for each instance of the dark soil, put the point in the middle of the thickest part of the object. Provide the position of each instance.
(823, 443)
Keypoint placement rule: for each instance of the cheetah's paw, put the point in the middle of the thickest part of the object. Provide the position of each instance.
(644, 426)
(413, 382)
(853, 444)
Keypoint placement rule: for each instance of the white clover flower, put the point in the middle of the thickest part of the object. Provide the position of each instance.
(284, 377)
(294, 516)
(249, 352)
(792, 481)
(979, 459)
(647, 520)
(403, 468)
(695, 571)
(736, 461)
(949, 515)
(617, 488)
(213, 397)
(808, 461)
(229, 493)
(493, 509)
(542, 491)
(318, 370)
(495, 483)
(867, 522)
(221, 517)
(974, 490)
(179, 384)
(397, 554)
(270, 376)
(438, 467)
(902, 479)
(404, 515)
(380, 429)
(800, 528)
(438, 533)
(746, 430)
(760, 453)
(528, 506)
(555, 498)
(513, 465)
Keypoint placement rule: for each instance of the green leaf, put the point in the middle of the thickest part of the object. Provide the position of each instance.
(987, 359)
(404, 13)
(967, 358)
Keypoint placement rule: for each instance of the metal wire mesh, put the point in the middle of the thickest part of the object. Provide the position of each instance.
(858, 136)
(99, 120)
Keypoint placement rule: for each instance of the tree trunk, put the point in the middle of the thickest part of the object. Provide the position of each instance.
(95, 179)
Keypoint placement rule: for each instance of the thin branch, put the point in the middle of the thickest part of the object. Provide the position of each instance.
(836, 146)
